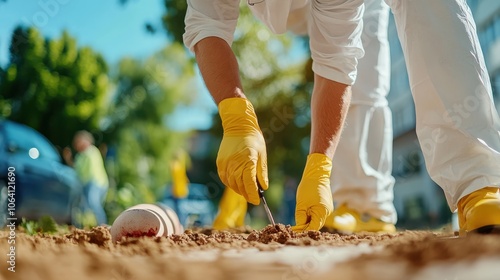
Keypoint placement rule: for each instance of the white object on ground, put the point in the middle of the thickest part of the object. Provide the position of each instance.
(145, 220)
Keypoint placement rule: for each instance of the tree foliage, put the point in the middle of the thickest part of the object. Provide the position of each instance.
(146, 92)
(173, 18)
(58, 88)
(53, 85)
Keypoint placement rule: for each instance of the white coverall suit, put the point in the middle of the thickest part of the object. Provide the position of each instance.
(457, 124)
(362, 165)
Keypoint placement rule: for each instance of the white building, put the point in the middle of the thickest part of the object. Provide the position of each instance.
(487, 16)
(418, 200)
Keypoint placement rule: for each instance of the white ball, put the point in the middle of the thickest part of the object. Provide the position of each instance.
(178, 228)
(164, 218)
(141, 220)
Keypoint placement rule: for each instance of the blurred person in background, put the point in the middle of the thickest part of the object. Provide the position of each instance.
(178, 166)
(180, 181)
(457, 124)
(88, 164)
(232, 211)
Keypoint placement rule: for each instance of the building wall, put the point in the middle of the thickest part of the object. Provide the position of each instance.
(418, 200)
(487, 16)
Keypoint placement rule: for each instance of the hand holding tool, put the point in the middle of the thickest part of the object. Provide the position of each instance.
(266, 207)
(242, 157)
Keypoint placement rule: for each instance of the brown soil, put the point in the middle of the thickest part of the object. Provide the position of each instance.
(85, 254)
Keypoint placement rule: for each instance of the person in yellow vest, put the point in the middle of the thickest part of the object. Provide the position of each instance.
(180, 180)
(89, 165)
(232, 211)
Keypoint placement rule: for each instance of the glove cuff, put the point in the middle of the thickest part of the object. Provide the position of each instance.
(237, 114)
(318, 166)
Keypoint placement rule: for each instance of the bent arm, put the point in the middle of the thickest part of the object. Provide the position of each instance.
(219, 68)
(210, 27)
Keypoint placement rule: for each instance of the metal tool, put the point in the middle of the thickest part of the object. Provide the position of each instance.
(266, 207)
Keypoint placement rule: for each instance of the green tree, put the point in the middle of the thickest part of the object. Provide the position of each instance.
(53, 85)
(173, 18)
(4, 105)
(146, 93)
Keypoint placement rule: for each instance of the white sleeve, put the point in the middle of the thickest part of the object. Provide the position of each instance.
(335, 38)
(210, 18)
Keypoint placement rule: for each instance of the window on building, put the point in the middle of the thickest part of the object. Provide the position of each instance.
(406, 165)
(396, 122)
(496, 24)
(482, 39)
(490, 34)
(495, 86)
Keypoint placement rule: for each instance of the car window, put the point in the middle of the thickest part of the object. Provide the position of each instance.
(26, 140)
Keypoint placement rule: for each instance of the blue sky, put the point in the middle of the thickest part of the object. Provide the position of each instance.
(112, 29)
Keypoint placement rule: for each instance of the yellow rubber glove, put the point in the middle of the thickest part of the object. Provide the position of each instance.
(232, 211)
(314, 196)
(242, 157)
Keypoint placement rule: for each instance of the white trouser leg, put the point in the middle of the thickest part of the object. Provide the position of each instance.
(457, 124)
(374, 69)
(363, 163)
(361, 174)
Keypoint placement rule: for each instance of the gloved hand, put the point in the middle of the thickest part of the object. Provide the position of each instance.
(242, 157)
(232, 211)
(314, 196)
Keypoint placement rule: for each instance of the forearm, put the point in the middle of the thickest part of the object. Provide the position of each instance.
(219, 68)
(329, 105)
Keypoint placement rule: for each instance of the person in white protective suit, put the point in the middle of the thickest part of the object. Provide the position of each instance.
(457, 124)
(361, 175)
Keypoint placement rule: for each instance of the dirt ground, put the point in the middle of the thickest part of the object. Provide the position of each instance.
(270, 253)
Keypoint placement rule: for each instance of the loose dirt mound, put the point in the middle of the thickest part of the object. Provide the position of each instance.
(84, 254)
(199, 239)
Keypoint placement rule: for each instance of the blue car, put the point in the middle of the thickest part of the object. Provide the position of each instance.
(33, 174)
(196, 210)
